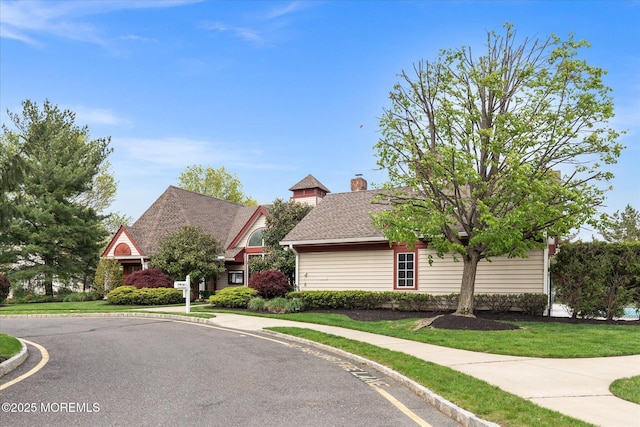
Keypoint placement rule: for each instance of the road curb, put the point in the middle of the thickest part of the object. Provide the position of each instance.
(464, 417)
(17, 360)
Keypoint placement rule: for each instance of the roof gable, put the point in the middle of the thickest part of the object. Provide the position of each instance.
(242, 225)
(340, 217)
(176, 208)
(309, 182)
(121, 236)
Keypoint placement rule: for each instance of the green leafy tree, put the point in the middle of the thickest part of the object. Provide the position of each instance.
(113, 221)
(281, 219)
(103, 190)
(109, 275)
(623, 227)
(189, 251)
(53, 234)
(215, 183)
(471, 142)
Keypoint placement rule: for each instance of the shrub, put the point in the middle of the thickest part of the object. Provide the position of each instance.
(277, 305)
(204, 295)
(129, 295)
(341, 299)
(5, 287)
(36, 298)
(109, 275)
(83, 296)
(149, 278)
(532, 304)
(270, 283)
(413, 302)
(445, 302)
(236, 297)
(496, 303)
(257, 304)
(63, 291)
(294, 305)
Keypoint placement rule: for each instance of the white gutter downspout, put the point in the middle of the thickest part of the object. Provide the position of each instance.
(297, 274)
(547, 283)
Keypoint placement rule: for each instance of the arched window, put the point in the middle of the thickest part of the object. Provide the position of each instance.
(256, 239)
(122, 249)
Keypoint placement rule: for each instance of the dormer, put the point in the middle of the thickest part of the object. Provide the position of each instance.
(309, 191)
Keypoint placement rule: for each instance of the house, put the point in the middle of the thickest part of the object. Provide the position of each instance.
(238, 228)
(338, 248)
(336, 245)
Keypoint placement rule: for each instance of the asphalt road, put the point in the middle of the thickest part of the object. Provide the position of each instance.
(151, 372)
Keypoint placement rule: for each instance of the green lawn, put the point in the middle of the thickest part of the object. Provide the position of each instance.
(63, 307)
(627, 389)
(534, 339)
(9, 347)
(74, 307)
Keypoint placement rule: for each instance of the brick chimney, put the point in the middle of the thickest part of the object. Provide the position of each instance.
(358, 183)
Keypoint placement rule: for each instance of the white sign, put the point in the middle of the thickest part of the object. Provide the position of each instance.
(185, 285)
(180, 285)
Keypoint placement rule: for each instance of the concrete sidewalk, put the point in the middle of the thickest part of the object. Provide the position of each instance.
(575, 387)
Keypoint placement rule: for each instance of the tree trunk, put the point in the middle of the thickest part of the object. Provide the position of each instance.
(48, 276)
(48, 284)
(465, 303)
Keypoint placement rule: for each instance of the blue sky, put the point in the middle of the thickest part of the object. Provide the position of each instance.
(274, 91)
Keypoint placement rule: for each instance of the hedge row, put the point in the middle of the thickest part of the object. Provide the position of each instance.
(597, 278)
(533, 304)
(129, 295)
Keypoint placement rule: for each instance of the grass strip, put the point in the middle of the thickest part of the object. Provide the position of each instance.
(534, 339)
(486, 401)
(9, 346)
(100, 306)
(627, 389)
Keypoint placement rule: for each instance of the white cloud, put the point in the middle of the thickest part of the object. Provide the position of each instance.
(150, 156)
(287, 9)
(243, 33)
(263, 27)
(28, 20)
(98, 116)
(173, 152)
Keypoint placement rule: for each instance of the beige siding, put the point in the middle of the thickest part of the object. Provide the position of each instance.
(122, 238)
(223, 280)
(365, 270)
(373, 271)
(261, 222)
(501, 275)
(311, 200)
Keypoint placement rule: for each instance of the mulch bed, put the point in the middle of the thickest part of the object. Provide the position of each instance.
(484, 321)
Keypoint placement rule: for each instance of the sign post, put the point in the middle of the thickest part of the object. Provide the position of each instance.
(185, 285)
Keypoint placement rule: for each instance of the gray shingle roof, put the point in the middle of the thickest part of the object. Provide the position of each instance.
(176, 208)
(309, 182)
(339, 217)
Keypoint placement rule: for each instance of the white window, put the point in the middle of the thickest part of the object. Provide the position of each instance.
(406, 270)
(256, 239)
(236, 277)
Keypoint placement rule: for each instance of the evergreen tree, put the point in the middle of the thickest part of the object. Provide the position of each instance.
(54, 234)
(623, 227)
